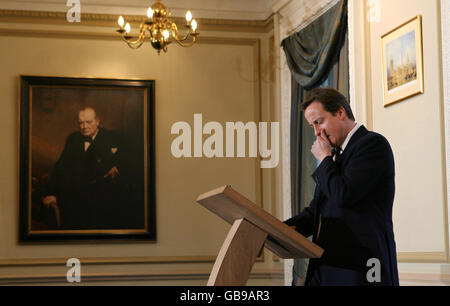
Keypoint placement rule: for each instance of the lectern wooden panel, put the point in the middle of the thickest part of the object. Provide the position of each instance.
(250, 223)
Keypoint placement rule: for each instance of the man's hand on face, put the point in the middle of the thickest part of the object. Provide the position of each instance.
(321, 148)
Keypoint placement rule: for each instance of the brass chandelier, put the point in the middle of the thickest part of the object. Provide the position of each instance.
(159, 29)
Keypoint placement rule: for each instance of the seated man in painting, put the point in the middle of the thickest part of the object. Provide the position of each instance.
(87, 186)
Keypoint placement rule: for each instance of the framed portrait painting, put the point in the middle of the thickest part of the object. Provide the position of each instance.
(402, 57)
(87, 168)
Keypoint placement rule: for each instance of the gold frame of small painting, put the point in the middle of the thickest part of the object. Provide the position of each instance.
(402, 56)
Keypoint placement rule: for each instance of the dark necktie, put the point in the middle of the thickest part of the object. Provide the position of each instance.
(336, 152)
(88, 139)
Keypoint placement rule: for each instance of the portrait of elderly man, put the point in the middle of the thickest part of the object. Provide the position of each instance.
(88, 183)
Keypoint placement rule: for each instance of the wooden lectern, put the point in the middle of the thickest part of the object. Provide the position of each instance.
(253, 228)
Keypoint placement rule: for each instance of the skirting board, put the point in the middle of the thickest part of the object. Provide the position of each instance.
(430, 257)
(93, 278)
(422, 279)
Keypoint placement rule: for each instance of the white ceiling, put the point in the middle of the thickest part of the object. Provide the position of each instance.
(222, 9)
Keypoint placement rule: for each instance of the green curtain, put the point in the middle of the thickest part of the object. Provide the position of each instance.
(320, 61)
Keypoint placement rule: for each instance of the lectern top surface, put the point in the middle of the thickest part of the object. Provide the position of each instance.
(284, 241)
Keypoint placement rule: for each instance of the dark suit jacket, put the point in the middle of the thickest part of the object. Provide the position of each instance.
(86, 199)
(354, 197)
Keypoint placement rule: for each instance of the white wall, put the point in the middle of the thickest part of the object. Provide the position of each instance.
(414, 129)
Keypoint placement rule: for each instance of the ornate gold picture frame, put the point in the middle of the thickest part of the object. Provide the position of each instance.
(87, 169)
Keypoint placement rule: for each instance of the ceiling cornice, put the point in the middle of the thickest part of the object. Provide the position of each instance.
(108, 20)
(212, 9)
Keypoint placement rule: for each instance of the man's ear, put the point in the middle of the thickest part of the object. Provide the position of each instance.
(341, 113)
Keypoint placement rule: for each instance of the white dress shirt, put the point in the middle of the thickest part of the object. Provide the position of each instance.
(349, 135)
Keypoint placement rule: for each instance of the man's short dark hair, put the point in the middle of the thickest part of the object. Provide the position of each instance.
(331, 99)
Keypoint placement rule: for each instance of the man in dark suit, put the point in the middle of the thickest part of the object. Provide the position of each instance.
(85, 184)
(350, 215)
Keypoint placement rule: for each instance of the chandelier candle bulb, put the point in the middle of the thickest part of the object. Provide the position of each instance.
(149, 13)
(194, 25)
(121, 21)
(127, 28)
(188, 16)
